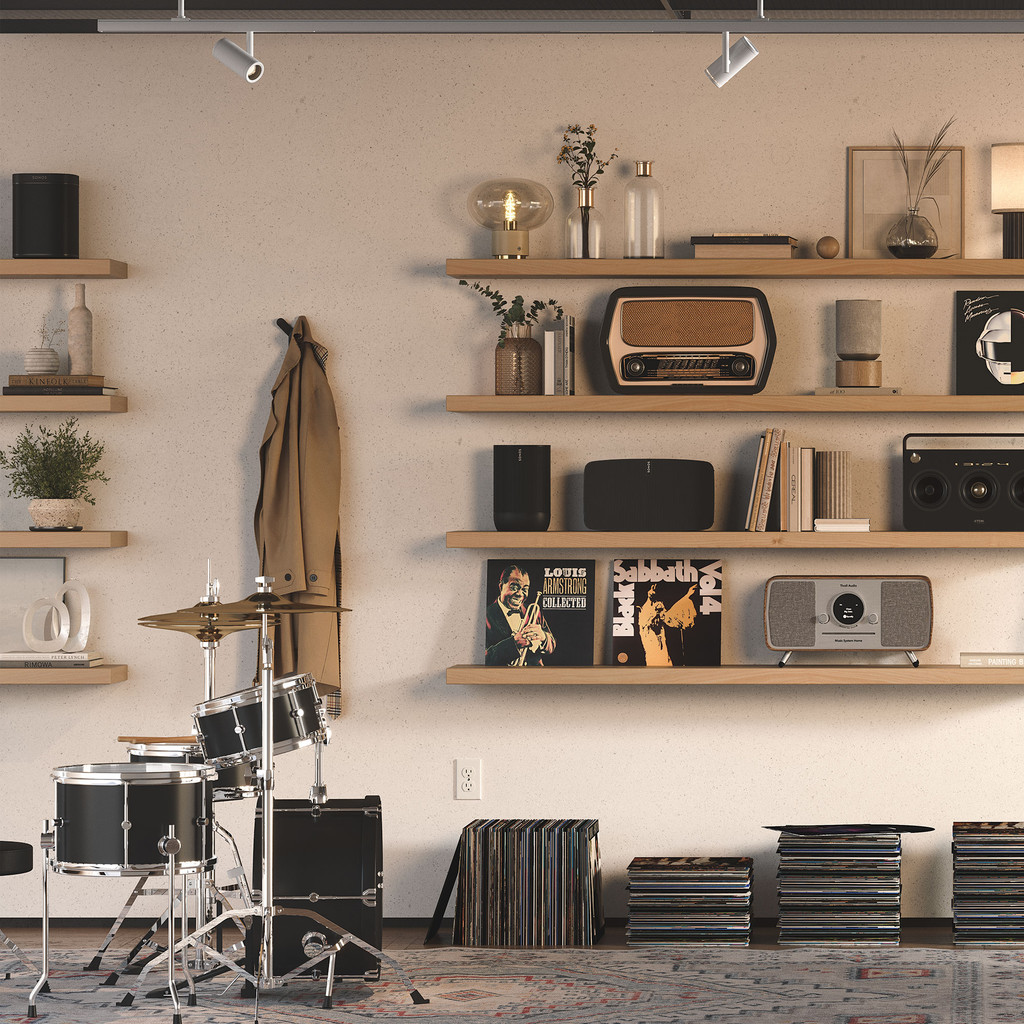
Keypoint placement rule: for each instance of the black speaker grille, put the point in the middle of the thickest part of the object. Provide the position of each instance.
(906, 614)
(790, 614)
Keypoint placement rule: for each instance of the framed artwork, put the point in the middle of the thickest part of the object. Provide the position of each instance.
(22, 581)
(989, 339)
(877, 197)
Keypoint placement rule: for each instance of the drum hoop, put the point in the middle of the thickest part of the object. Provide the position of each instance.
(254, 694)
(146, 749)
(131, 870)
(135, 773)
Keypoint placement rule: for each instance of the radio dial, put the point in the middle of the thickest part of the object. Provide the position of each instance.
(634, 367)
(823, 618)
(741, 366)
(873, 619)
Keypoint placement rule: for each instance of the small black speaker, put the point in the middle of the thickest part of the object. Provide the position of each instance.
(522, 486)
(45, 216)
(649, 494)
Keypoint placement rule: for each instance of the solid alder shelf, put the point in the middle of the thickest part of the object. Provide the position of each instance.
(724, 539)
(63, 539)
(101, 674)
(63, 403)
(94, 269)
(732, 675)
(734, 403)
(708, 268)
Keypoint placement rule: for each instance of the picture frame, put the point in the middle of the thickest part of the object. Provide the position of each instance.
(24, 579)
(877, 198)
(988, 328)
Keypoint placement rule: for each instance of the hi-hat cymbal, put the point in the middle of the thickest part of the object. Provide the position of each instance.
(264, 602)
(205, 621)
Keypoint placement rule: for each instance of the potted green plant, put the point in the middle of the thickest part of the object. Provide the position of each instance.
(54, 468)
(518, 357)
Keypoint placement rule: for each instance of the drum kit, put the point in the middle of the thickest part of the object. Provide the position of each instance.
(156, 813)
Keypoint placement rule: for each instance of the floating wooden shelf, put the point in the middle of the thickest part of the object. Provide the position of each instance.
(63, 676)
(734, 675)
(63, 403)
(723, 539)
(707, 268)
(735, 403)
(63, 539)
(64, 268)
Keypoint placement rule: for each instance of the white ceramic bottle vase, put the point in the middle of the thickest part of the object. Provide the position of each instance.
(79, 334)
(643, 228)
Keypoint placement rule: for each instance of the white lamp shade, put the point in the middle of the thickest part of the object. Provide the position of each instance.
(1008, 177)
(741, 53)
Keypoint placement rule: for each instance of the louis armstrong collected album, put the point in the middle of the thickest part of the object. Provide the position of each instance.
(539, 612)
(667, 611)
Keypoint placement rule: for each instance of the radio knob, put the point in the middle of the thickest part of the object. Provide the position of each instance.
(634, 367)
(873, 619)
(823, 617)
(741, 366)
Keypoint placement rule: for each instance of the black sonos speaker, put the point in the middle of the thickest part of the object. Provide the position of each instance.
(522, 486)
(649, 494)
(44, 216)
(848, 613)
(963, 482)
(327, 859)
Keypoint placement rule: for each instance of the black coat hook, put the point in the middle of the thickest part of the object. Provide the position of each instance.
(285, 326)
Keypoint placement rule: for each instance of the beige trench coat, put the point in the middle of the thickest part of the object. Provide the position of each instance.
(296, 521)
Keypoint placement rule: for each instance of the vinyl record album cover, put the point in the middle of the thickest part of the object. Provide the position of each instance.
(667, 611)
(989, 343)
(539, 612)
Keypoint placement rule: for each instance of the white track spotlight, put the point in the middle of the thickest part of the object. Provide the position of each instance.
(242, 62)
(733, 59)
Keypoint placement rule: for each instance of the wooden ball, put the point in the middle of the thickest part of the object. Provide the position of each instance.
(827, 247)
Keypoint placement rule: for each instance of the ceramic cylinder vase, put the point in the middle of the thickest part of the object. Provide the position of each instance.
(79, 334)
(518, 362)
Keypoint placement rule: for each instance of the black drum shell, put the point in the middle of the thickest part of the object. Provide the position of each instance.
(233, 781)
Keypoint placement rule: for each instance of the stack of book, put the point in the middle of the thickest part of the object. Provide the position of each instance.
(58, 659)
(529, 883)
(57, 384)
(988, 882)
(701, 900)
(729, 245)
(839, 885)
(560, 357)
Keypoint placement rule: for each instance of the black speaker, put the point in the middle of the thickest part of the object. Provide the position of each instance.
(649, 494)
(327, 859)
(45, 216)
(522, 486)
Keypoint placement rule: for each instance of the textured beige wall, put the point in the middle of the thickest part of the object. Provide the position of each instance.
(336, 189)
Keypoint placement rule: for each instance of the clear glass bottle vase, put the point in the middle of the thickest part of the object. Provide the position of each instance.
(584, 228)
(643, 226)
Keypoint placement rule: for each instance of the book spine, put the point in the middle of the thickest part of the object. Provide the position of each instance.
(753, 485)
(74, 389)
(806, 488)
(570, 343)
(50, 664)
(794, 488)
(7, 656)
(992, 660)
(56, 379)
(550, 342)
(769, 480)
(560, 363)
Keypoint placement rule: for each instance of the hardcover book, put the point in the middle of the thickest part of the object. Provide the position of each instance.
(539, 612)
(667, 611)
(989, 343)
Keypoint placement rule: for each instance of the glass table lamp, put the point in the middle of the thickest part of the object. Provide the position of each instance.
(510, 207)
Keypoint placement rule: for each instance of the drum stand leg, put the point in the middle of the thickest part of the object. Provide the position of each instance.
(46, 843)
(13, 947)
(169, 846)
(139, 890)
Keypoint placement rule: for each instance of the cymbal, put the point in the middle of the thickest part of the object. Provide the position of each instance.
(265, 602)
(205, 621)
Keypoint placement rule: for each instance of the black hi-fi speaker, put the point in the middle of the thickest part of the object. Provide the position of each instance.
(327, 859)
(44, 216)
(848, 613)
(963, 482)
(649, 494)
(522, 486)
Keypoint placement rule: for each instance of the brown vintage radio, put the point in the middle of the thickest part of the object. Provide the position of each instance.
(688, 340)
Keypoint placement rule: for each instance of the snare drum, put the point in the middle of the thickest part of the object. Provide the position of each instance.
(231, 728)
(111, 817)
(233, 782)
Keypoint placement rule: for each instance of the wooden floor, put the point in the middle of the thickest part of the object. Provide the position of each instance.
(935, 934)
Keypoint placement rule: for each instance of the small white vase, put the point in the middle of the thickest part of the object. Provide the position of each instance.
(42, 360)
(79, 334)
(55, 513)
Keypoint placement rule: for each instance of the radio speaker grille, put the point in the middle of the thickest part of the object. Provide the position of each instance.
(791, 614)
(906, 614)
(687, 323)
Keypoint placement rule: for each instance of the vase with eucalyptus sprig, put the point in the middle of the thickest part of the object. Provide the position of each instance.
(583, 227)
(912, 236)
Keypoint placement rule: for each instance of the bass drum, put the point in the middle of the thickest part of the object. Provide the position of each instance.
(110, 818)
(231, 728)
(233, 782)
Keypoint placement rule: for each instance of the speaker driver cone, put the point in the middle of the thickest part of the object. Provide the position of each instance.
(930, 490)
(979, 490)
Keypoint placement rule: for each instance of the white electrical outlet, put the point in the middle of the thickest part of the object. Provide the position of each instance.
(469, 782)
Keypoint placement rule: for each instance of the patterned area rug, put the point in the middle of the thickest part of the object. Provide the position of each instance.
(723, 986)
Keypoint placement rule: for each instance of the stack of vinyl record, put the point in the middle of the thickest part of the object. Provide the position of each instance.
(988, 882)
(840, 884)
(703, 900)
(529, 882)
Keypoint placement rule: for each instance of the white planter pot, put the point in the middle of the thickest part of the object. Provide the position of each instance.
(42, 360)
(55, 513)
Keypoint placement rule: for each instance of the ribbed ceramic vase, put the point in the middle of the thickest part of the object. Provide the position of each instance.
(42, 360)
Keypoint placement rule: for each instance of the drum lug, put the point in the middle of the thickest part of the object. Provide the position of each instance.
(297, 713)
(126, 825)
(240, 729)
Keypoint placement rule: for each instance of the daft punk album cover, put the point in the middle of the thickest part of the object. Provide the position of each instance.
(539, 612)
(989, 343)
(667, 612)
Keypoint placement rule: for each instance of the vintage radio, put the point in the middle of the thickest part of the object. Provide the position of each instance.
(848, 613)
(688, 340)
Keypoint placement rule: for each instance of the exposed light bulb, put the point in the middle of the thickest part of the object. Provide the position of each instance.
(512, 202)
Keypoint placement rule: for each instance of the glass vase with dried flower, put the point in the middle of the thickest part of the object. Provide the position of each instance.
(584, 236)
